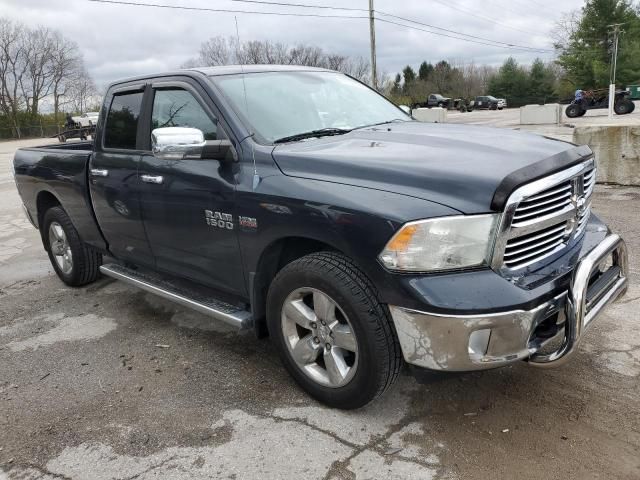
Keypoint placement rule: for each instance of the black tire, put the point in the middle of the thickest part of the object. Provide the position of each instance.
(440, 104)
(624, 107)
(377, 343)
(633, 106)
(85, 261)
(582, 113)
(574, 111)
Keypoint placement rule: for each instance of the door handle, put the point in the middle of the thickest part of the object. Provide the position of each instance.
(157, 179)
(98, 172)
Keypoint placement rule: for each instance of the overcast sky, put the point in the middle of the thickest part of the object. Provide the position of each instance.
(120, 40)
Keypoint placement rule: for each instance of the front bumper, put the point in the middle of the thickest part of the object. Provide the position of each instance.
(438, 341)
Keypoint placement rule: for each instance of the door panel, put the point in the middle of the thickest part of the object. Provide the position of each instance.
(114, 184)
(177, 208)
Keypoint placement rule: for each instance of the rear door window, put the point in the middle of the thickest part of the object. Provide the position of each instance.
(121, 128)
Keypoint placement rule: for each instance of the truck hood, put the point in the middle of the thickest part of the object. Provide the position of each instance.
(468, 168)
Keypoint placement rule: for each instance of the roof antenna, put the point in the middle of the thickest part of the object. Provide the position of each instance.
(256, 177)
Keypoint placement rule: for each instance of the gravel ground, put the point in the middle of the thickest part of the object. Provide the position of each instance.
(108, 382)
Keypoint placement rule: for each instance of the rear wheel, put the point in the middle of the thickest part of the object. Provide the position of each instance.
(334, 336)
(74, 262)
(624, 107)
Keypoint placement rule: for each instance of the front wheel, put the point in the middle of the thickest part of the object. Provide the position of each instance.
(574, 111)
(73, 261)
(334, 336)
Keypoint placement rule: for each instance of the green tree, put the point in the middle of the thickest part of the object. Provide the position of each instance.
(425, 71)
(586, 53)
(395, 88)
(541, 82)
(511, 82)
(409, 75)
(442, 76)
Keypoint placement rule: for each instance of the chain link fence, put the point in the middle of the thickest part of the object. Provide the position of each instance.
(30, 131)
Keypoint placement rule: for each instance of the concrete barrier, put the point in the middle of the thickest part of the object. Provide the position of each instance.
(617, 150)
(541, 114)
(430, 115)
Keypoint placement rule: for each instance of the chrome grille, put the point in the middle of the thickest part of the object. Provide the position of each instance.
(533, 245)
(552, 200)
(542, 217)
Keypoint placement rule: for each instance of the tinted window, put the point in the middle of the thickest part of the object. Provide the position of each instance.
(178, 108)
(122, 121)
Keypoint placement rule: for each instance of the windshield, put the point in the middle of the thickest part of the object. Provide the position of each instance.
(285, 104)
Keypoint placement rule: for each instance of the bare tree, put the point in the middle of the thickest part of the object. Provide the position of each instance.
(565, 28)
(39, 53)
(13, 70)
(66, 62)
(36, 64)
(215, 51)
(82, 91)
(222, 51)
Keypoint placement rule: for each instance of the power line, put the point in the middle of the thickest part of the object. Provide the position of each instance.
(460, 33)
(456, 36)
(302, 5)
(463, 39)
(224, 10)
(486, 19)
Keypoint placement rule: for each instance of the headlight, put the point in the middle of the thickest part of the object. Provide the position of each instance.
(445, 243)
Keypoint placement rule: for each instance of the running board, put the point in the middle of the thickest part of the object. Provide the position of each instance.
(231, 314)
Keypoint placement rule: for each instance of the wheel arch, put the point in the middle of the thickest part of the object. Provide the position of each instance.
(273, 258)
(44, 201)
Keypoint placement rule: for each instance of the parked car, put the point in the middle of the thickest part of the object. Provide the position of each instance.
(300, 203)
(502, 103)
(434, 100)
(485, 102)
(86, 119)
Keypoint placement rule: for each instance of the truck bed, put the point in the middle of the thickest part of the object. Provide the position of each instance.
(59, 174)
(84, 146)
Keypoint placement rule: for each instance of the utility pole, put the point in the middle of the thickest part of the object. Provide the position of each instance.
(372, 33)
(614, 65)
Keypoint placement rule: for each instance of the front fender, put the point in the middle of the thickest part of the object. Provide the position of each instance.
(356, 221)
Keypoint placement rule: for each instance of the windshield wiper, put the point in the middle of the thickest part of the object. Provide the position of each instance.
(395, 120)
(323, 132)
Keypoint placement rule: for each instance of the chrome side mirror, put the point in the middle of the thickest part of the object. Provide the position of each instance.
(405, 109)
(177, 143)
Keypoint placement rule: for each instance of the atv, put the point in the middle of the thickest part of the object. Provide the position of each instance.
(600, 99)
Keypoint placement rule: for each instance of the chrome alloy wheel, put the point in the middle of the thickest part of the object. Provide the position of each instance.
(319, 337)
(60, 248)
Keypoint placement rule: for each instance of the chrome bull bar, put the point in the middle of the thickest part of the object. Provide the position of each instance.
(583, 303)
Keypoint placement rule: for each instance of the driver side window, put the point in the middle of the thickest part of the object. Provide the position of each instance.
(176, 107)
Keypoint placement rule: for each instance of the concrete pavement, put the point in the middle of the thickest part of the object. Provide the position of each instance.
(108, 382)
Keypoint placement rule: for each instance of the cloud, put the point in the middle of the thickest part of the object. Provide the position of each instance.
(121, 41)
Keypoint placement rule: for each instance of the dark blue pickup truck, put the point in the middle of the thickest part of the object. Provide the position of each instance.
(302, 204)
